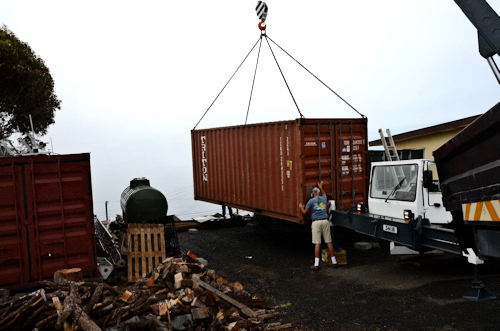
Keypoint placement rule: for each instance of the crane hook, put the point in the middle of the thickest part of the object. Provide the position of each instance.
(262, 25)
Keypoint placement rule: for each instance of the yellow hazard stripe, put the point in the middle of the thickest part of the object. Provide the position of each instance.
(479, 209)
(467, 211)
(492, 211)
(482, 211)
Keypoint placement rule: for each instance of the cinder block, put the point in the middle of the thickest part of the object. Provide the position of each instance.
(363, 245)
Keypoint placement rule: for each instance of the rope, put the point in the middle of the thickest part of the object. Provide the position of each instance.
(227, 83)
(253, 83)
(302, 116)
(314, 77)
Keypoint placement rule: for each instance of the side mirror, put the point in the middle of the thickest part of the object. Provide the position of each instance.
(427, 179)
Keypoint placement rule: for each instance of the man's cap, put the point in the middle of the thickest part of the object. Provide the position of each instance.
(316, 190)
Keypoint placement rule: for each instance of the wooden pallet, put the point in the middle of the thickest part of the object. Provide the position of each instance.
(146, 248)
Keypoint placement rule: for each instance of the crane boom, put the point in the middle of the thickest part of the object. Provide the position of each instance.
(487, 23)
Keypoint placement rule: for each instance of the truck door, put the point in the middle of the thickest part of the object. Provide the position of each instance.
(433, 199)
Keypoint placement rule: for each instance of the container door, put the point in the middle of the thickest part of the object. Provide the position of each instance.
(319, 162)
(352, 160)
(14, 259)
(335, 152)
(59, 194)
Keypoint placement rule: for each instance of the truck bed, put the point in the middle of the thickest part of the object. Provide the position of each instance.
(469, 163)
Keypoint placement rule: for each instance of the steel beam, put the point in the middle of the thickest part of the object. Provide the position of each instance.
(416, 234)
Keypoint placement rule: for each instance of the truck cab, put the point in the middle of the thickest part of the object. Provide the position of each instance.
(412, 186)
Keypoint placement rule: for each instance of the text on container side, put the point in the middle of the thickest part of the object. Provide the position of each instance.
(204, 162)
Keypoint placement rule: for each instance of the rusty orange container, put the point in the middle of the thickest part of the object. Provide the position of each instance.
(46, 218)
(269, 168)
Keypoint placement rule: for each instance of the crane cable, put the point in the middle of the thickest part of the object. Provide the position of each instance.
(227, 83)
(282, 75)
(328, 87)
(262, 10)
(253, 83)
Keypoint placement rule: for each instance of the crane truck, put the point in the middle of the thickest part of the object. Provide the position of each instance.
(457, 211)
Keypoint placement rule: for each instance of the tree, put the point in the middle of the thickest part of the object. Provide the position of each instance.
(26, 88)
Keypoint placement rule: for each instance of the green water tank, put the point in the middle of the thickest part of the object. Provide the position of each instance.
(142, 204)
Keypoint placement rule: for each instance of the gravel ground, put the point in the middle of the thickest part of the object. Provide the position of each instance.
(373, 292)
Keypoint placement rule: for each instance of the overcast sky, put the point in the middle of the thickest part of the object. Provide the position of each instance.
(135, 77)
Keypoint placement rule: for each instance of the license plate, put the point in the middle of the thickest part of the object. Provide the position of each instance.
(390, 228)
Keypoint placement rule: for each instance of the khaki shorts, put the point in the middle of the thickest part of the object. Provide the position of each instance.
(321, 228)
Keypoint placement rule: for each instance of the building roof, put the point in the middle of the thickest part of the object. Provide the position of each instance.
(440, 128)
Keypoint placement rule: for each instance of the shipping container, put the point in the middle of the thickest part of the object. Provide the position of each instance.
(269, 168)
(46, 218)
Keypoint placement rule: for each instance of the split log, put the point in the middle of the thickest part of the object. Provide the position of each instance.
(104, 310)
(47, 321)
(63, 276)
(200, 313)
(50, 285)
(110, 288)
(267, 316)
(281, 327)
(60, 294)
(62, 314)
(216, 325)
(19, 301)
(22, 312)
(183, 283)
(128, 297)
(84, 321)
(94, 299)
(30, 323)
(72, 303)
(178, 277)
(244, 309)
(98, 308)
(156, 324)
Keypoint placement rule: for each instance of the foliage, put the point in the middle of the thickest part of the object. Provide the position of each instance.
(26, 87)
(285, 305)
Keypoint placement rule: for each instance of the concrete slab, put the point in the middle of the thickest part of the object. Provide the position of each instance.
(403, 250)
(202, 261)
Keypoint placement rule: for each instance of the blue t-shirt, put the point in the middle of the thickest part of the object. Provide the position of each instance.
(318, 207)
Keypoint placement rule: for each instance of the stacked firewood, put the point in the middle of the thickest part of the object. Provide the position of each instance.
(177, 295)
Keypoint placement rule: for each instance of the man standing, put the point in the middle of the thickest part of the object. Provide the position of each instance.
(224, 211)
(320, 225)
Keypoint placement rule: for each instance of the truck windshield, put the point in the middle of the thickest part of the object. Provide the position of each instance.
(385, 180)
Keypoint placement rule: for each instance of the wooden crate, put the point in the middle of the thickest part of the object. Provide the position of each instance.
(146, 248)
(340, 256)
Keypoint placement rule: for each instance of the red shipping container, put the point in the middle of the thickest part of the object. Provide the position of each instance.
(46, 218)
(269, 168)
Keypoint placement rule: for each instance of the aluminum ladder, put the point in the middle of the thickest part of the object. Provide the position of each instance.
(389, 147)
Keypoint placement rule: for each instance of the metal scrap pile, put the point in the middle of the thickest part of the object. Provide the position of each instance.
(177, 295)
